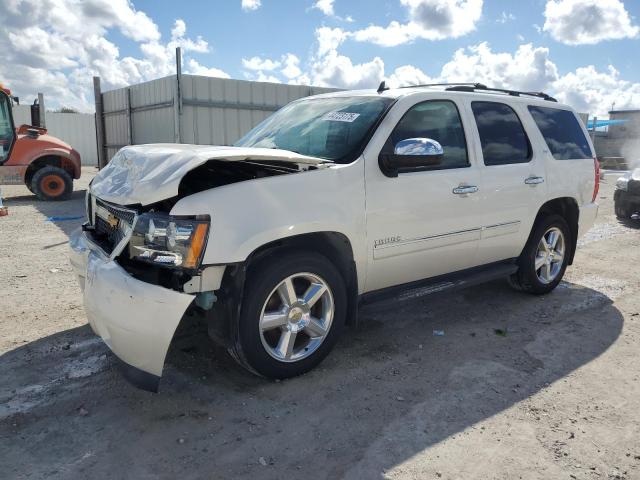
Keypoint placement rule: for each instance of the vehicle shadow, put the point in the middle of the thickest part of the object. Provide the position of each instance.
(630, 222)
(390, 390)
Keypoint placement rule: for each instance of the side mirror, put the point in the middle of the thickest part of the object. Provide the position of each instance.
(412, 155)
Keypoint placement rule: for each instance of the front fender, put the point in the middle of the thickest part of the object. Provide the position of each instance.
(250, 214)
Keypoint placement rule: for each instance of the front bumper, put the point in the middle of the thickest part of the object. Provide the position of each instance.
(135, 319)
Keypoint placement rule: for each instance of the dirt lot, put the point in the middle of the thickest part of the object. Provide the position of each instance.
(557, 396)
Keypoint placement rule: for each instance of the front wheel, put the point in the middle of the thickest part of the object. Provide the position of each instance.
(52, 183)
(293, 311)
(544, 259)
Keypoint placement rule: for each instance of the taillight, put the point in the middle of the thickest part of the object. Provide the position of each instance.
(596, 185)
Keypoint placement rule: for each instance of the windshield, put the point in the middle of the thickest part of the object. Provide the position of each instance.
(332, 128)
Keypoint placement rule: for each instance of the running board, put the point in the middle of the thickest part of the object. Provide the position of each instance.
(443, 283)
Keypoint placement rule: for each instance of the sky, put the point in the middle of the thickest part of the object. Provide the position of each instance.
(582, 51)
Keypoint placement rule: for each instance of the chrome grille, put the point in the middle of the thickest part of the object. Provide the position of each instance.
(112, 224)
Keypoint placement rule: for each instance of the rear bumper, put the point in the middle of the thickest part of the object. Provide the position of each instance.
(587, 218)
(135, 319)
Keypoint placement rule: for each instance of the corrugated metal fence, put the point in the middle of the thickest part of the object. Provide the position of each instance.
(193, 109)
(76, 129)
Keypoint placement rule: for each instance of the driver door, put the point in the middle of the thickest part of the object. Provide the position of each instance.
(426, 222)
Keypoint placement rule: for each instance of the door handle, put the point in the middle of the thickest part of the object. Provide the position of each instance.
(464, 189)
(533, 180)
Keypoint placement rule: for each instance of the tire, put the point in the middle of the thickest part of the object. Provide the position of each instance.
(52, 183)
(540, 281)
(622, 211)
(260, 346)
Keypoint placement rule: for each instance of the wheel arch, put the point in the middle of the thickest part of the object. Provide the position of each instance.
(333, 245)
(51, 160)
(568, 208)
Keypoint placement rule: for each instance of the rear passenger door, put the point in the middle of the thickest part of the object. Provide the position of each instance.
(512, 178)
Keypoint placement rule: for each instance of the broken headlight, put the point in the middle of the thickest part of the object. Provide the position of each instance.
(169, 241)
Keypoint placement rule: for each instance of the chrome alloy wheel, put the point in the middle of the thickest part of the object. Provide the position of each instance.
(550, 255)
(296, 317)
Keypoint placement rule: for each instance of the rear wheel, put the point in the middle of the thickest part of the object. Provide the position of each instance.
(544, 259)
(293, 311)
(52, 183)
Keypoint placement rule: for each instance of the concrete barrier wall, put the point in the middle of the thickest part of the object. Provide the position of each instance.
(201, 110)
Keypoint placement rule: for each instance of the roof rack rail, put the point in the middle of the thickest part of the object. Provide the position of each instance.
(513, 93)
(475, 85)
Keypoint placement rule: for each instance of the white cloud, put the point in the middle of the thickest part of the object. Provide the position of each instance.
(194, 68)
(60, 44)
(266, 70)
(428, 19)
(408, 75)
(249, 5)
(329, 39)
(506, 17)
(257, 63)
(331, 69)
(335, 70)
(577, 22)
(588, 90)
(531, 69)
(291, 68)
(325, 6)
(528, 68)
(264, 77)
(178, 39)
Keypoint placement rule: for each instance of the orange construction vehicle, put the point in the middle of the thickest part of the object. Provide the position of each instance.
(29, 156)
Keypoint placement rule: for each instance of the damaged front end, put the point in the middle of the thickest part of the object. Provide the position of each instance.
(141, 268)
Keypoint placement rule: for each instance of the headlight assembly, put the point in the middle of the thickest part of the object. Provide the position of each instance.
(169, 241)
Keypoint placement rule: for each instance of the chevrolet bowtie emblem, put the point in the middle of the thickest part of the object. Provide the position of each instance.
(112, 220)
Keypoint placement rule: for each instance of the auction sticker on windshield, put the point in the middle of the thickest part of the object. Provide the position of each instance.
(341, 116)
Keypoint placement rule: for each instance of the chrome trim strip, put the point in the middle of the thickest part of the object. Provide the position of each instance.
(497, 225)
(422, 239)
(500, 229)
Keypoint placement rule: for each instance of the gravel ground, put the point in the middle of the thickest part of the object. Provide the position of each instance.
(557, 396)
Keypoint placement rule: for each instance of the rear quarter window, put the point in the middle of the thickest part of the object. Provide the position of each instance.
(562, 133)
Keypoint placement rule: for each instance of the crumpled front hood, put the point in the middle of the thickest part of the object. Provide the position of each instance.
(145, 174)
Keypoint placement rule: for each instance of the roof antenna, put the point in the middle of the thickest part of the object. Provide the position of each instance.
(382, 87)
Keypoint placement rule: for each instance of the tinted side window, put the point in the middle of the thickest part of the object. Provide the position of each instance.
(502, 135)
(438, 120)
(562, 132)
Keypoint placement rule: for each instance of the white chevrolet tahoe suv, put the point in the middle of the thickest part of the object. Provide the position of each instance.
(332, 201)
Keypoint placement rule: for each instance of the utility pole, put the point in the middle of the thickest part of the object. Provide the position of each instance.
(177, 98)
(97, 93)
